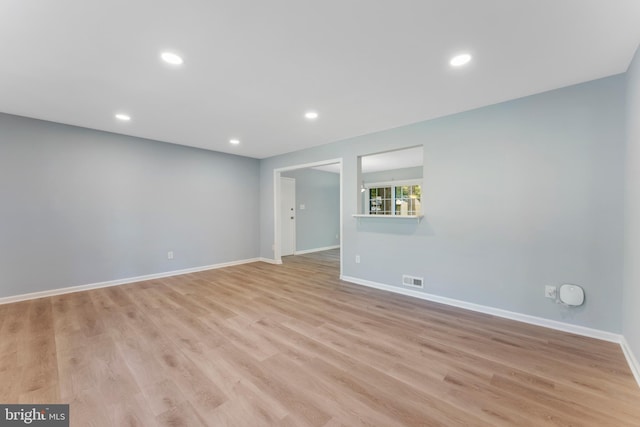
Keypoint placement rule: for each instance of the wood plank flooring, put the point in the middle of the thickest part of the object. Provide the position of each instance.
(291, 345)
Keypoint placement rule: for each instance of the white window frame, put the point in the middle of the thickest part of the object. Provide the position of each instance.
(392, 184)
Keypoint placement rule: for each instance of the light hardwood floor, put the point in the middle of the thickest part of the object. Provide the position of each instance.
(291, 345)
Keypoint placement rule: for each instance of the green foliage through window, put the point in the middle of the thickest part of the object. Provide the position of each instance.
(395, 200)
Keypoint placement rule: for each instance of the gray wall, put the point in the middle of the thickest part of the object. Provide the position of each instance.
(630, 309)
(520, 195)
(80, 206)
(318, 224)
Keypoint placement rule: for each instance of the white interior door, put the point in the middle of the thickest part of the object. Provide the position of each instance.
(288, 216)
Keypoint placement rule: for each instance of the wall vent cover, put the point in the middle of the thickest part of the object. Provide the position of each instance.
(414, 282)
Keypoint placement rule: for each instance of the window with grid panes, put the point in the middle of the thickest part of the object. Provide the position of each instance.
(394, 198)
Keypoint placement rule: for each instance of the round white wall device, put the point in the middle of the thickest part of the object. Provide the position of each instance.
(572, 295)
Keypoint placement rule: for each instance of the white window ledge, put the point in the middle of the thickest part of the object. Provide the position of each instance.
(405, 217)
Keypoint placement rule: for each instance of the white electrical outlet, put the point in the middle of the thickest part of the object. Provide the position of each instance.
(550, 291)
(170, 255)
(357, 259)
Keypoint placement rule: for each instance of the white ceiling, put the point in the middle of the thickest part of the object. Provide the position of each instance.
(389, 160)
(252, 68)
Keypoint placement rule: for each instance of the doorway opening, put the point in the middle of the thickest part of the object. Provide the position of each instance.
(308, 209)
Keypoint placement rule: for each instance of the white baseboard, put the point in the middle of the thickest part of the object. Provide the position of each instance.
(534, 320)
(68, 290)
(270, 261)
(631, 359)
(308, 251)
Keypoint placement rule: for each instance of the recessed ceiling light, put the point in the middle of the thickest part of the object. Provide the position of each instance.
(123, 117)
(171, 58)
(311, 115)
(460, 60)
(234, 141)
